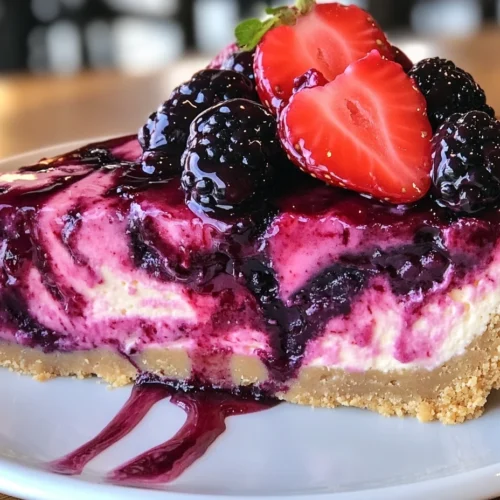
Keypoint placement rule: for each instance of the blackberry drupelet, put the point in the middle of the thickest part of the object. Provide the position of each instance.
(416, 267)
(466, 162)
(412, 268)
(261, 280)
(448, 90)
(310, 79)
(402, 59)
(231, 157)
(163, 138)
(222, 56)
(241, 62)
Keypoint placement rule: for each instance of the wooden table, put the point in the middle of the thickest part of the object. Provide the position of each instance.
(40, 111)
(43, 110)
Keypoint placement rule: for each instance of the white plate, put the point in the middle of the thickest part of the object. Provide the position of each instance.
(342, 454)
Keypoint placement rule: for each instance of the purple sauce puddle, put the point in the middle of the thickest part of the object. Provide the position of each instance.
(142, 399)
(206, 413)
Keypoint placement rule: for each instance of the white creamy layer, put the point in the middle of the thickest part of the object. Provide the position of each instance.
(368, 339)
(442, 329)
(120, 296)
(445, 327)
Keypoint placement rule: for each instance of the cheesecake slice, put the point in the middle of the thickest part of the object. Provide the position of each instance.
(334, 299)
(318, 230)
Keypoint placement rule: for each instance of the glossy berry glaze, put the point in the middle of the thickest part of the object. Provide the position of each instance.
(206, 414)
(97, 253)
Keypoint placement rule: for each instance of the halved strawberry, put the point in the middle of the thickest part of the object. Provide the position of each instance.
(328, 38)
(223, 56)
(367, 130)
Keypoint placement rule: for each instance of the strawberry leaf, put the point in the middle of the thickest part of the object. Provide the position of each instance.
(250, 32)
(247, 31)
(287, 16)
(276, 11)
(305, 6)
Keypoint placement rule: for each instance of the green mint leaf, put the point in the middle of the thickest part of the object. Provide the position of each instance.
(285, 15)
(268, 24)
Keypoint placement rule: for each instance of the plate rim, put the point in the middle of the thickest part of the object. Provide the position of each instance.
(31, 483)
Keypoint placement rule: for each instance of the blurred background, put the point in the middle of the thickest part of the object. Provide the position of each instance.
(67, 36)
(86, 68)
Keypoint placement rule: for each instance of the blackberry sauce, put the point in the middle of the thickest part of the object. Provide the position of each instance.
(230, 261)
(206, 413)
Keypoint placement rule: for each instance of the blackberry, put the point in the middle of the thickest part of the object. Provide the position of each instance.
(166, 131)
(222, 56)
(309, 80)
(402, 59)
(230, 157)
(241, 62)
(448, 90)
(466, 162)
(415, 267)
(261, 280)
(332, 290)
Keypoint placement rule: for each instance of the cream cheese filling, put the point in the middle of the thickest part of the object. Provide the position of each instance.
(446, 325)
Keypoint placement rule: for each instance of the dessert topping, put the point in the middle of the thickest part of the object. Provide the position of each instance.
(241, 62)
(223, 56)
(466, 162)
(402, 59)
(448, 89)
(164, 136)
(367, 131)
(231, 156)
(327, 37)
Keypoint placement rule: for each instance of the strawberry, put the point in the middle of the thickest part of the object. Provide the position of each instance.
(223, 56)
(367, 130)
(327, 37)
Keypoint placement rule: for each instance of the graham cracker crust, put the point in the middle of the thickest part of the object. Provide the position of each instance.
(453, 393)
